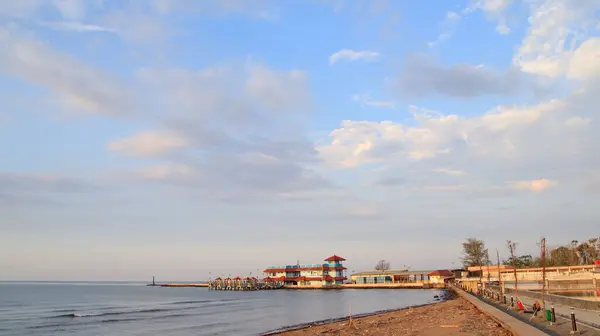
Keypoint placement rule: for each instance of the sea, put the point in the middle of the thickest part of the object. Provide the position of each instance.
(94, 308)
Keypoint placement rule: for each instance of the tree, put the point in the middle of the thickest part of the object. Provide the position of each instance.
(524, 261)
(560, 256)
(473, 252)
(382, 265)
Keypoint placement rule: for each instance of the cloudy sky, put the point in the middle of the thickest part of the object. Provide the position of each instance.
(177, 137)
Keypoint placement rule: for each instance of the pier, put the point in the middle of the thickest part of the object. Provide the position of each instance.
(244, 284)
(154, 284)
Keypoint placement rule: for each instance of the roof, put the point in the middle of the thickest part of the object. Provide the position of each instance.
(491, 268)
(335, 258)
(441, 273)
(391, 272)
(388, 272)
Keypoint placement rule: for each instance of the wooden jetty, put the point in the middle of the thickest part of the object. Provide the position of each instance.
(243, 284)
(232, 284)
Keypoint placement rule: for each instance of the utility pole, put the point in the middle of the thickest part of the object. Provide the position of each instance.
(488, 263)
(512, 247)
(543, 262)
(480, 257)
(499, 277)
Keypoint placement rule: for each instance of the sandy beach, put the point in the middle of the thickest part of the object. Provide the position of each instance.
(452, 317)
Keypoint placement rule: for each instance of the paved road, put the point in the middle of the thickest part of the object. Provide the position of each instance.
(590, 317)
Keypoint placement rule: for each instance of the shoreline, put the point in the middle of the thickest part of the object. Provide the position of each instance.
(445, 296)
(454, 315)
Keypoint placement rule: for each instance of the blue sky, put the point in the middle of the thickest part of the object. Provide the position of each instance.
(176, 138)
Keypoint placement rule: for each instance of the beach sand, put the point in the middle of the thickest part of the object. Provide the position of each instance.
(453, 317)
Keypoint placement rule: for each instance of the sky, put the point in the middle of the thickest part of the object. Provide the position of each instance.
(184, 139)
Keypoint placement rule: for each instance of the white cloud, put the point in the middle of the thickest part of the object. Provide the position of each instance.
(445, 187)
(494, 10)
(494, 6)
(502, 27)
(149, 143)
(71, 9)
(360, 142)
(449, 171)
(578, 122)
(278, 90)
(180, 172)
(448, 26)
(558, 42)
(231, 131)
(363, 211)
(534, 185)
(259, 9)
(75, 86)
(351, 55)
(22, 8)
(366, 100)
(77, 27)
(453, 16)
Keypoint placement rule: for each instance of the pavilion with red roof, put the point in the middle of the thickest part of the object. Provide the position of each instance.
(330, 273)
(335, 258)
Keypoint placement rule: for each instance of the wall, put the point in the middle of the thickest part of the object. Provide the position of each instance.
(387, 285)
(436, 279)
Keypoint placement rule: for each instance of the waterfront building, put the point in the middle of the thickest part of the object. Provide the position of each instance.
(441, 276)
(312, 275)
(390, 276)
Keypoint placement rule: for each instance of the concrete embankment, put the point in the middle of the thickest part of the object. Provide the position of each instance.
(178, 285)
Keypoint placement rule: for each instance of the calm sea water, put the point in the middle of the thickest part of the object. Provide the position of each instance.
(134, 309)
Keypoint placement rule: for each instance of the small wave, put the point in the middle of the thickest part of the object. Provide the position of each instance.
(170, 316)
(121, 320)
(189, 302)
(109, 320)
(202, 301)
(63, 310)
(153, 310)
(56, 325)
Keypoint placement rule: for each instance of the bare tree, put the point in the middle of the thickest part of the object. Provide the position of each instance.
(512, 248)
(382, 265)
(487, 261)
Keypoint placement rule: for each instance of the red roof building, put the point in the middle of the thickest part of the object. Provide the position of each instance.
(442, 273)
(335, 258)
(311, 275)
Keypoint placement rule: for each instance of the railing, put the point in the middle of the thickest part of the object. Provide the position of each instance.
(303, 266)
